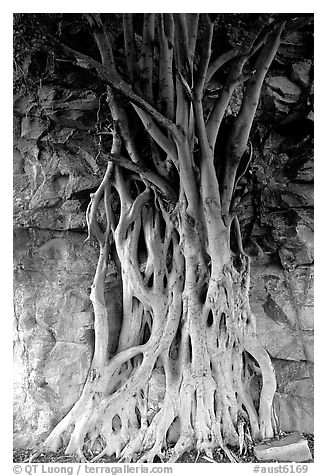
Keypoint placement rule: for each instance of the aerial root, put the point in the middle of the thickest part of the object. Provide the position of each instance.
(257, 351)
(206, 409)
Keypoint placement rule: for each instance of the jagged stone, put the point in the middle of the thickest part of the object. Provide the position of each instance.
(54, 335)
(58, 183)
(283, 93)
(290, 448)
(297, 195)
(283, 305)
(33, 127)
(285, 88)
(294, 413)
(294, 46)
(294, 401)
(293, 232)
(289, 370)
(301, 171)
(301, 72)
(72, 109)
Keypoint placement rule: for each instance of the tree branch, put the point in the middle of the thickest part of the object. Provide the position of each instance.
(118, 112)
(205, 58)
(219, 62)
(241, 173)
(296, 24)
(113, 79)
(218, 111)
(247, 49)
(192, 20)
(102, 39)
(181, 44)
(238, 235)
(182, 66)
(146, 59)
(138, 203)
(254, 32)
(209, 192)
(253, 89)
(166, 81)
(144, 173)
(166, 144)
(130, 50)
(121, 120)
(91, 212)
(238, 139)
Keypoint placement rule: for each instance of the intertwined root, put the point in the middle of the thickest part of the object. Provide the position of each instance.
(187, 319)
(205, 375)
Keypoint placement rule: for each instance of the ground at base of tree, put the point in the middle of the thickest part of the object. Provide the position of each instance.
(22, 456)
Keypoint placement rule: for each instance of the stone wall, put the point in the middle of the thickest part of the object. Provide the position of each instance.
(281, 238)
(56, 166)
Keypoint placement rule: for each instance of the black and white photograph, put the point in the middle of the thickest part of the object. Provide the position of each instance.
(163, 221)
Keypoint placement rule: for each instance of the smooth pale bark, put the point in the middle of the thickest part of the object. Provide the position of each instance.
(200, 324)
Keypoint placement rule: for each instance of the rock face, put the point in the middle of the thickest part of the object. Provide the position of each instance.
(54, 335)
(290, 448)
(54, 172)
(54, 327)
(57, 166)
(281, 234)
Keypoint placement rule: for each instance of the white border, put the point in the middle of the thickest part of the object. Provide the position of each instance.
(279, 6)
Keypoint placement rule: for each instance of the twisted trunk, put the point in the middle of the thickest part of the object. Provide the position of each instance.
(186, 312)
(186, 317)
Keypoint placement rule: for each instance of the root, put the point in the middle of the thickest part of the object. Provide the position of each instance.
(206, 395)
(190, 327)
(205, 414)
(268, 386)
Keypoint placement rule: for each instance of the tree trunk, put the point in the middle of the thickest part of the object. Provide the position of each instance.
(186, 312)
(188, 320)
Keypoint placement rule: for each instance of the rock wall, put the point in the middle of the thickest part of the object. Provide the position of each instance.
(281, 233)
(57, 165)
